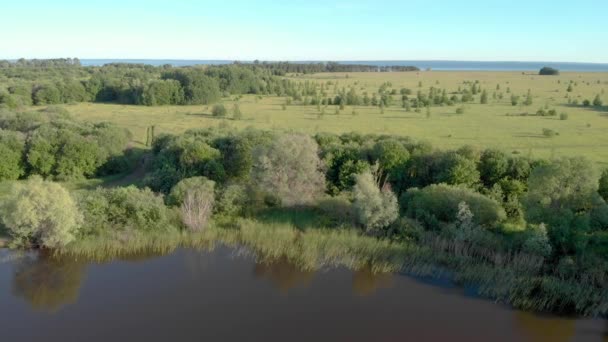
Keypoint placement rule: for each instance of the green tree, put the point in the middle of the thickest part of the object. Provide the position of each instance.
(40, 212)
(457, 170)
(439, 203)
(236, 112)
(597, 101)
(178, 192)
(493, 166)
(290, 169)
(11, 150)
(484, 97)
(514, 100)
(219, 110)
(561, 194)
(529, 100)
(548, 71)
(375, 208)
(603, 185)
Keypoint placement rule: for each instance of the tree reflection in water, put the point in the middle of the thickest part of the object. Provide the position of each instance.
(283, 274)
(366, 282)
(541, 329)
(48, 283)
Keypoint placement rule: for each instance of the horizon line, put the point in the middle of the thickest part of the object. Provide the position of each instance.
(311, 60)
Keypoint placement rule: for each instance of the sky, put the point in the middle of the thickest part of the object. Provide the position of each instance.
(488, 30)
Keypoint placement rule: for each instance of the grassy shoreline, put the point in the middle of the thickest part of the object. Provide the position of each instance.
(511, 278)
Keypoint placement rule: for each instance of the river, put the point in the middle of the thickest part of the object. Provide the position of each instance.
(225, 295)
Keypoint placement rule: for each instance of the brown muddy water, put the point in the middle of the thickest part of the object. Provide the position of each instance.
(221, 295)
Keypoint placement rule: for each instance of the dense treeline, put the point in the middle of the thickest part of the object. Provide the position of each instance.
(51, 144)
(283, 68)
(43, 82)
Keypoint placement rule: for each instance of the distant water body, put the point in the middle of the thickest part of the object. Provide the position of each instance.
(434, 65)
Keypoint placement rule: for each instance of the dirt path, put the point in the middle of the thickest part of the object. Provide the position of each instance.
(134, 177)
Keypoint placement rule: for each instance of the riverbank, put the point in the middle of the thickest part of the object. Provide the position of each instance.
(515, 279)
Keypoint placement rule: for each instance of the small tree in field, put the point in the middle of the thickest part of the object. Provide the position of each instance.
(484, 97)
(528, 101)
(219, 110)
(236, 112)
(597, 101)
(40, 212)
(514, 100)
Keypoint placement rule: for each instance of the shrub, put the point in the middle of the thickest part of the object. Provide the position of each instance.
(549, 133)
(563, 116)
(375, 208)
(231, 200)
(219, 110)
(179, 191)
(537, 242)
(597, 101)
(236, 112)
(123, 209)
(439, 203)
(40, 212)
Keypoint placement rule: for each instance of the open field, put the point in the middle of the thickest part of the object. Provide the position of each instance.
(496, 124)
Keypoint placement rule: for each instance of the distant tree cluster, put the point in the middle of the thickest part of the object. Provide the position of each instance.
(548, 71)
(283, 68)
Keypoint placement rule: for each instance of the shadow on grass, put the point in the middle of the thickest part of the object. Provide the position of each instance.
(603, 110)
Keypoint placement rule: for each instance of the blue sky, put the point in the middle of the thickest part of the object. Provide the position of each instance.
(532, 30)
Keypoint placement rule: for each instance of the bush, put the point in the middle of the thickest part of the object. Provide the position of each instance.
(179, 191)
(124, 209)
(219, 110)
(597, 101)
(549, 133)
(231, 200)
(438, 203)
(375, 208)
(563, 116)
(40, 212)
(537, 242)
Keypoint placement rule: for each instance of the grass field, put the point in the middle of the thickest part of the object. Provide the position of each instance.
(496, 124)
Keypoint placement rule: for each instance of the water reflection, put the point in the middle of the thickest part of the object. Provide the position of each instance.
(541, 329)
(198, 295)
(365, 282)
(48, 283)
(283, 274)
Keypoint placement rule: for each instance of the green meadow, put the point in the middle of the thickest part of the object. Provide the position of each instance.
(499, 124)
